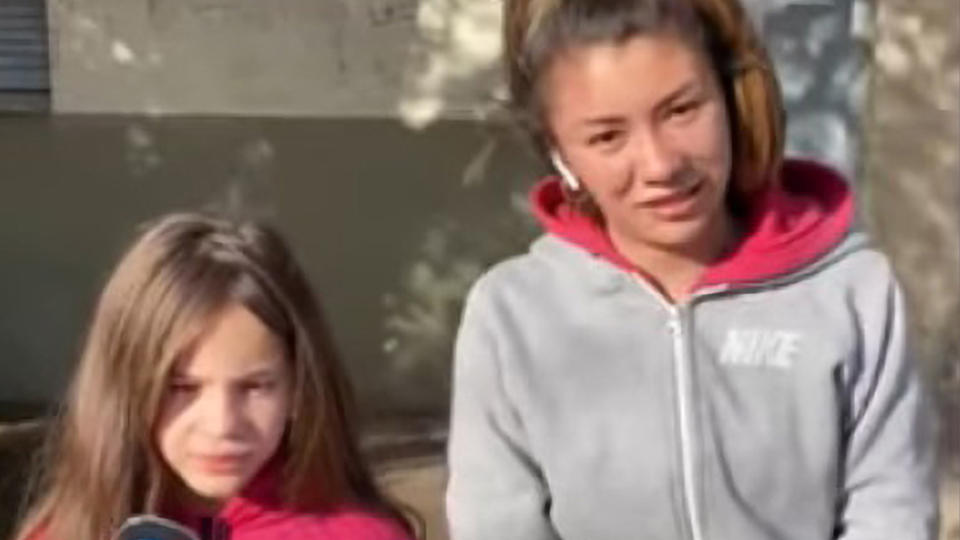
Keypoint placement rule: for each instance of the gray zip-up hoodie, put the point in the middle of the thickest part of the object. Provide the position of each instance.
(777, 403)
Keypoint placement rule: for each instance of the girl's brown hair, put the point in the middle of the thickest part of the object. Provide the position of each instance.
(101, 462)
(535, 32)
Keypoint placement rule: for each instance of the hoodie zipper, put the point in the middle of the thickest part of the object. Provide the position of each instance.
(686, 422)
(682, 380)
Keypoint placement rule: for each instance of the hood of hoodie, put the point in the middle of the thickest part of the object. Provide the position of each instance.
(788, 226)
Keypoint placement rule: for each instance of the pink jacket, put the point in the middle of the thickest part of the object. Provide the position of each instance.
(257, 514)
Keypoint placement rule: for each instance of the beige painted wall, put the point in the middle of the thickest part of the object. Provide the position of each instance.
(379, 58)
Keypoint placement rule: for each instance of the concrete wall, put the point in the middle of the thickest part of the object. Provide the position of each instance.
(391, 224)
(283, 57)
(913, 163)
(912, 195)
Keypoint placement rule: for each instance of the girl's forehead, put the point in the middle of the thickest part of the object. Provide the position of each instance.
(233, 343)
(640, 71)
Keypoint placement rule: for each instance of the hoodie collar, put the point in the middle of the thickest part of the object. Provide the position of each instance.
(789, 225)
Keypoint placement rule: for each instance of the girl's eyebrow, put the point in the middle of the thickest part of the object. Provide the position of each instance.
(684, 89)
(258, 373)
(603, 121)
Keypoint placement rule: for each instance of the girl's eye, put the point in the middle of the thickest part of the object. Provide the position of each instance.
(258, 386)
(603, 138)
(684, 110)
(183, 387)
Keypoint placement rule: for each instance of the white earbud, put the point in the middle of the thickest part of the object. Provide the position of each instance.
(565, 173)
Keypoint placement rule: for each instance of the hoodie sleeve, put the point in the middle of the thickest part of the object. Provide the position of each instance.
(889, 482)
(495, 490)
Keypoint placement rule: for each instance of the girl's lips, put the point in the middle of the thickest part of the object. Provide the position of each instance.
(678, 196)
(676, 205)
(221, 463)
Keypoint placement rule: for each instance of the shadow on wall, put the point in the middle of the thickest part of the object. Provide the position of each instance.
(914, 162)
(487, 222)
(823, 76)
(913, 196)
(332, 58)
(453, 69)
(453, 65)
(391, 226)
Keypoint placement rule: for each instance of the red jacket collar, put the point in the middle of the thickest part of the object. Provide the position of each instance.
(261, 497)
(788, 225)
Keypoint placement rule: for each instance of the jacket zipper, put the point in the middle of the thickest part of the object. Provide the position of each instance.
(686, 423)
(682, 380)
(212, 528)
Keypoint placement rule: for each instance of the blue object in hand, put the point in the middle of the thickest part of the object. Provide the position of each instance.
(148, 527)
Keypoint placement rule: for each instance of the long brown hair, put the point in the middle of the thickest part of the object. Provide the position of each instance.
(536, 31)
(101, 461)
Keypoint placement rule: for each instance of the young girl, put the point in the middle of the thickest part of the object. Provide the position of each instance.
(209, 392)
(700, 347)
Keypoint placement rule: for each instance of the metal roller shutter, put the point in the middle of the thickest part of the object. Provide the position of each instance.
(24, 57)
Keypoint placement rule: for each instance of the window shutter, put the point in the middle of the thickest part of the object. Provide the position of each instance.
(24, 58)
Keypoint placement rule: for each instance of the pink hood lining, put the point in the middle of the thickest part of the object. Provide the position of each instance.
(788, 225)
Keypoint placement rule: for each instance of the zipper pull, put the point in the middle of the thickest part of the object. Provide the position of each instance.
(673, 325)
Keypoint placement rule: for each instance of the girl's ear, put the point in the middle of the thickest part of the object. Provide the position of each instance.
(565, 173)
